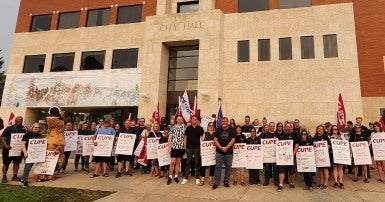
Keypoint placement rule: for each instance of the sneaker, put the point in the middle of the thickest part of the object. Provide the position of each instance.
(197, 181)
(169, 180)
(319, 186)
(342, 186)
(176, 180)
(336, 185)
(4, 180)
(118, 175)
(366, 180)
(227, 185)
(15, 178)
(280, 188)
(292, 186)
(25, 184)
(184, 181)
(214, 186)
(127, 173)
(324, 187)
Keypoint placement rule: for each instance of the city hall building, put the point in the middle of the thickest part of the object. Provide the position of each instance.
(279, 59)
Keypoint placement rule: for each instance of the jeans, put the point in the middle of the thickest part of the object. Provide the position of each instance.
(271, 172)
(308, 179)
(85, 161)
(190, 153)
(223, 159)
(27, 169)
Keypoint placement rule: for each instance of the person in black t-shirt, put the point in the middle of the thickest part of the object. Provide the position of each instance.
(224, 140)
(253, 173)
(358, 136)
(239, 138)
(164, 139)
(192, 138)
(321, 135)
(247, 127)
(35, 133)
(306, 140)
(85, 160)
(270, 169)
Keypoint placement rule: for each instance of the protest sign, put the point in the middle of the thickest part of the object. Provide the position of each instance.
(361, 153)
(47, 167)
(239, 155)
(341, 152)
(79, 147)
(15, 144)
(268, 149)
(71, 138)
(164, 157)
(205, 121)
(37, 149)
(305, 159)
(125, 144)
(321, 151)
(139, 148)
(254, 156)
(208, 153)
(152, 145)
(284, 152)
(378, 144)
(88, 145)
(104, 145)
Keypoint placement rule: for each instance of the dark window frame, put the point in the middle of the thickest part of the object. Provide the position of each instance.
(306, 51)
(295, 4)
(88, 13)
(240, 57)
(184, 3)
(132, 6)
(289, 56)
(30, 56)
(260, 46)
(250, 8)
(83, 66)
(328, 52)
(114, 66)
(32, 21)
(53, 61)
(63, 13)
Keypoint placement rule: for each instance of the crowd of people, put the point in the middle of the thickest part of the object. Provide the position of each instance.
(184, 147)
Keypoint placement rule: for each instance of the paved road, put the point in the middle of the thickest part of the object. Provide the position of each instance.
(146, 188)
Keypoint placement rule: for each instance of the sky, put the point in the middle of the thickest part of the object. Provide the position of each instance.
(8, 16)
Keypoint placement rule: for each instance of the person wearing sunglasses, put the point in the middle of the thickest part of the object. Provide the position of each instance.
(338, 172)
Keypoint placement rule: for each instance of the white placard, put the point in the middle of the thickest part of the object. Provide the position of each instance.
(164, 157)
(79, 147)
(305, 159)
(48, 167)
(71, 138)
(125, 144)
(15, 144)
(268, 148)
(284, 152)
(341, 152)
(152, 148)
(378, 144)
(321, 151)
(88, 145)
(361, 153)
(208, 153)
(104, 145)
(239, 155)
(246, 134)
(139, 147)
(37, 149)
(205, 121)
(254, 156)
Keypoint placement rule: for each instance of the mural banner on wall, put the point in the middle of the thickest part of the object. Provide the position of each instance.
(116, 87)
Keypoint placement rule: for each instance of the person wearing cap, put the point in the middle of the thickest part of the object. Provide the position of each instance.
(106, 129)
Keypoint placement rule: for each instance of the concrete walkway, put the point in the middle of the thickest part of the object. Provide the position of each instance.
(141, 187)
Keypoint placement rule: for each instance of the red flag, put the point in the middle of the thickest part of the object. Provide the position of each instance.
(178, 112)
(11, 119)
(341, 114)
(195, 110)
(382, 123)
(142, 158)
(155, 115)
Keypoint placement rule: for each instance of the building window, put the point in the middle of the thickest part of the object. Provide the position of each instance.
(69, 20)
(92, 60)
(285, 50)
(264, 49)
(330, 46)
(98, 17)
(41, 23)
(188, 7)
(129, 14)
(253, 5)
(33, 63)
(125, 58)
(62, 62)
(243, 51)
(282, 4)
(307, 47)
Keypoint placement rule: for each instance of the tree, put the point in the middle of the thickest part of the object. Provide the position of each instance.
(2, 78)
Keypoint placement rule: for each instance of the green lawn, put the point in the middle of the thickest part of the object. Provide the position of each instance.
(41, 193)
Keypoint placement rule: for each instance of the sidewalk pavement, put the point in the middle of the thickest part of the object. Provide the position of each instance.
(143, 187)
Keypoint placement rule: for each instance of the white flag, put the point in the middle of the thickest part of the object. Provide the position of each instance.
(185, 107)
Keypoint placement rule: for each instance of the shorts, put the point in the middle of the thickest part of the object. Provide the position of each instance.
(9, 159)
(164, 168)
(154, 162)
(283, 169)
(104, 159)
(122, 157)
(177, 153)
